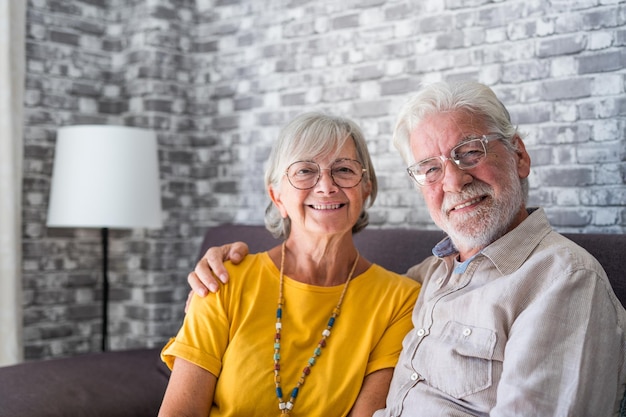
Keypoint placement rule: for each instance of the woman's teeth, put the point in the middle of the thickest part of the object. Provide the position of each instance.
(326, 207)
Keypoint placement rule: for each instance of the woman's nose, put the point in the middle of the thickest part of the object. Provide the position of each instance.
(326, 182)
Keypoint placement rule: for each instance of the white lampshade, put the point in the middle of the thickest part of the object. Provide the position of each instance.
(106, 177)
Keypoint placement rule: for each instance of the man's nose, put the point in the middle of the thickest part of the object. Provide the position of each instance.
(454, 178)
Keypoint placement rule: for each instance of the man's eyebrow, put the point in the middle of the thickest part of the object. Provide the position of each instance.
(469, 137)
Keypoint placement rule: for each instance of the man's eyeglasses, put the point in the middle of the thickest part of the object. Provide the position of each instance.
(465, 155)
(346, 173)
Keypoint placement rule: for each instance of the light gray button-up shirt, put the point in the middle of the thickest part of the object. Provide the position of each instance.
(530, 326)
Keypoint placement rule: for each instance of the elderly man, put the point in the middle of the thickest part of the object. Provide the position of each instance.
(513, 319)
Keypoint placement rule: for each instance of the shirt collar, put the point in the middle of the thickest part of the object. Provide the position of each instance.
(510, 251)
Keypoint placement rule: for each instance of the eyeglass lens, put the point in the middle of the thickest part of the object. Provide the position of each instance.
(465, 155)
(468, 154)
(346, 173)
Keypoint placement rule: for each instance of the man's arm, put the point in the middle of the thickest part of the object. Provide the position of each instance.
(564, 340)
(204, 278)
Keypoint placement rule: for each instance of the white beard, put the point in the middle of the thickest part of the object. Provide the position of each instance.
(480, 228)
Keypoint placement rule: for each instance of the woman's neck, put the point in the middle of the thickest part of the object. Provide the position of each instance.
(323, 263)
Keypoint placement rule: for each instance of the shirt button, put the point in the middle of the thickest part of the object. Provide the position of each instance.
(421, 332)
(467, 332)
(414, 376)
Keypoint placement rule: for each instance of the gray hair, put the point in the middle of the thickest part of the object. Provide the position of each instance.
(308, 136)
(466, 96)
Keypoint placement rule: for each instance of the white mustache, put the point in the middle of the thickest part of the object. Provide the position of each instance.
(470, 195)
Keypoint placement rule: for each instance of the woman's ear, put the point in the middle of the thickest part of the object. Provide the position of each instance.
(275, 196)
(367, 190)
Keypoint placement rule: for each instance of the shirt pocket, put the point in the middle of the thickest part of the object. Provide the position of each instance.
(461, 359)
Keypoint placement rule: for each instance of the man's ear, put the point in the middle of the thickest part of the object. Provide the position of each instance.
(275, 196)
(523, 158)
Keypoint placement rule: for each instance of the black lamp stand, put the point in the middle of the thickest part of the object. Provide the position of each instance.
(105, 286)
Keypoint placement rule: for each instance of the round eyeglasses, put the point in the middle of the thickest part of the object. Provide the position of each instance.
(465, 155)
(346, 173)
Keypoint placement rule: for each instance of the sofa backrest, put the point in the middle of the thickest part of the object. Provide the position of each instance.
(399, 249)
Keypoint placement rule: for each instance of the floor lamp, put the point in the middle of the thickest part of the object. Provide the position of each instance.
(105, 177)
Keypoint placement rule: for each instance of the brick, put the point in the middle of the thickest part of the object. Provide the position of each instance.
(397, 11)
(368, 72)
(563, 45)
(298, 29)
(346, 21)
(567, 197)
(450, 40)
(293, 99)
(434, 23)
(601, 62)
(566, 89)
(606, 216)
(225, 122)
(540, 156)
(85, 311)
(519, 72)
(112, 107)
(606, 196)
(535, 113)
(620, 37)
(606, 131)
(158, 105)
(64, 37)
(609, 175)
(601, 18)
(565, 112)
(600, 40)
(569, 217)
(370, 108)
(541, 197)
(397, 86)
(565, 176)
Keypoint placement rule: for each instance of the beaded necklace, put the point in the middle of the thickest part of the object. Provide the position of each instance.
(286, 407)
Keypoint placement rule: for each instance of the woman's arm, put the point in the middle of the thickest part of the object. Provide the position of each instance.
(189, 391)
(373, 393)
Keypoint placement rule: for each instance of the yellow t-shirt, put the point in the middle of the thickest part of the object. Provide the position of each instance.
(231, 334)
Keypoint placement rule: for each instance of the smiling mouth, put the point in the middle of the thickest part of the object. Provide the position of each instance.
(467, 204)
(326, 206)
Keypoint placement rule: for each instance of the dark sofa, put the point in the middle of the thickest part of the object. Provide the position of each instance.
(132, 383)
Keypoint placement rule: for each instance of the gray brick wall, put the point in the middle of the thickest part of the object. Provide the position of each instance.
(216, 80)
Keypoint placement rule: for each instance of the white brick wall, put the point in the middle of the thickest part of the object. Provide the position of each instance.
(217, 79)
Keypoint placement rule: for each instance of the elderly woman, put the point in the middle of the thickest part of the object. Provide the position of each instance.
(277, 344)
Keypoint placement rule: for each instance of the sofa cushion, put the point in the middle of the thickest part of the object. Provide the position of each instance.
(109, 384)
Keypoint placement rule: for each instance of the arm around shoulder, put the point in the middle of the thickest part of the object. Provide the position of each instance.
(210, 268)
